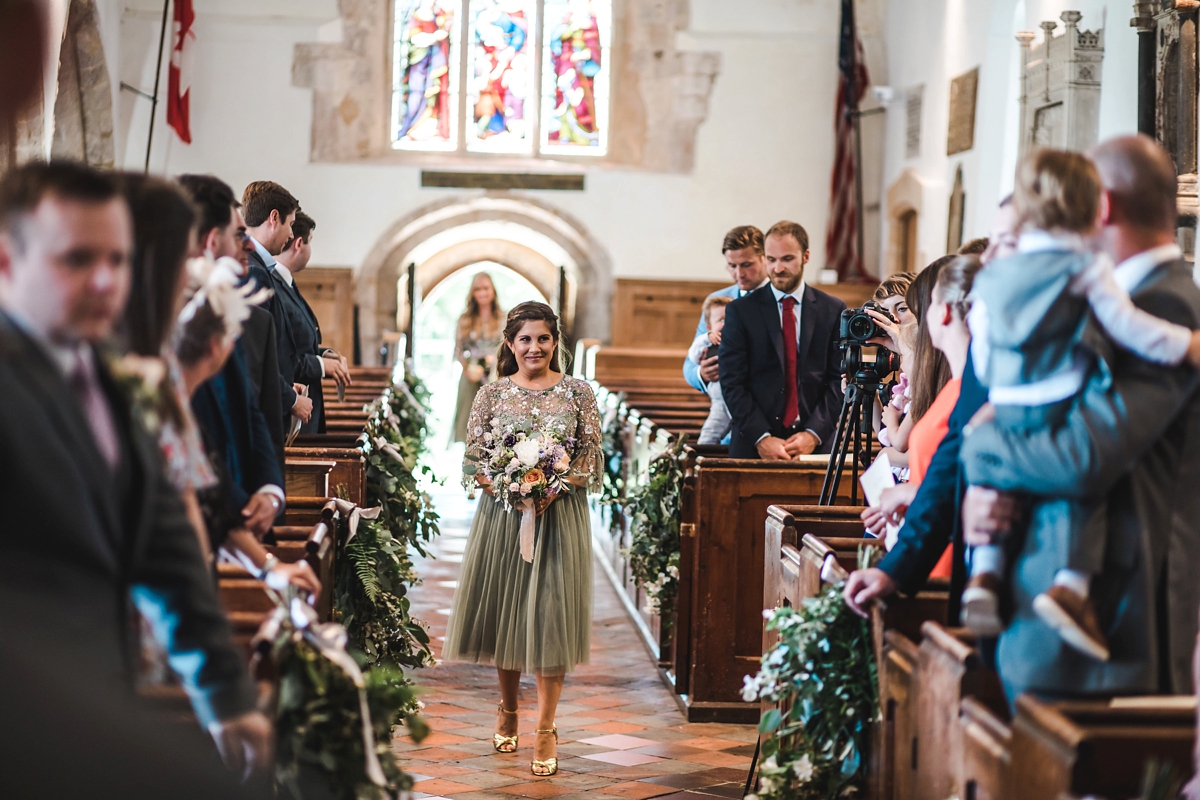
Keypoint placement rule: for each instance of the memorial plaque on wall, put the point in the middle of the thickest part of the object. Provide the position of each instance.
(961, 136)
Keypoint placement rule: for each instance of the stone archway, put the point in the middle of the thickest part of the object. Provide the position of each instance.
(531, 238)
(83, 115)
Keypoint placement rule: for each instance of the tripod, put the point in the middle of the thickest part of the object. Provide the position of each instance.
(854, 429)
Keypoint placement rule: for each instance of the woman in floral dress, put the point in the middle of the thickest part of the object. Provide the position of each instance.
(521, 616)
(477, 336)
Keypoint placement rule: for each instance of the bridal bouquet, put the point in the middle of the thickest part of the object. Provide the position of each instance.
(522, 467)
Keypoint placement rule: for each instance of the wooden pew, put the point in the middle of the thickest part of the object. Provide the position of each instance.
(722, 578)
(1096, 747)
(804, 539)
(949, 669)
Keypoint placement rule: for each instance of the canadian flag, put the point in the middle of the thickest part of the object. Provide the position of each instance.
(179, 73)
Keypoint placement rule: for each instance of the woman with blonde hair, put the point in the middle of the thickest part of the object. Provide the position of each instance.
(479, 333)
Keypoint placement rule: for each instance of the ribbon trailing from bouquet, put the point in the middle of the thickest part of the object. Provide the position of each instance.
(355, 513)
(329, 638)
(528, 526)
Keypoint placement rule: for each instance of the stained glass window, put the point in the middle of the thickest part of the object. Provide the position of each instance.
(425, 75)
(498, 76)
(575, 76)
(501, 94)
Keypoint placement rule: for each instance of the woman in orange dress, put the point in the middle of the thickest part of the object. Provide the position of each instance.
(944, 327)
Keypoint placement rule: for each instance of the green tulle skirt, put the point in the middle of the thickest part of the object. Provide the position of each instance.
(528, 617)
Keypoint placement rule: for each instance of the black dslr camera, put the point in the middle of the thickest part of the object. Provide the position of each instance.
(856, 330)
(857, 326)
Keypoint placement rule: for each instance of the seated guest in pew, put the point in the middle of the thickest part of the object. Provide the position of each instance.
(931, 521)
(209, 324)
(1131, 437)
(780, 361)
(941, 341)
(269, 211)
(716, 427)
(302, 359)
(743, 251)
(221, 233)
(91, 519)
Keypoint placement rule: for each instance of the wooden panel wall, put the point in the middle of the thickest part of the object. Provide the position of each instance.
(662, 314)
(658, 314)
(330, 292)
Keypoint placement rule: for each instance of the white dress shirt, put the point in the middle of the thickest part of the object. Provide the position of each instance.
(798, 294)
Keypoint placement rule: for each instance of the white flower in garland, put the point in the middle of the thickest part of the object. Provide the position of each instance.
(803, 769)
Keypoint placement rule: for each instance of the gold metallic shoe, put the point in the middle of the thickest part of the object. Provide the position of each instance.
(544, 769)
(502, 743)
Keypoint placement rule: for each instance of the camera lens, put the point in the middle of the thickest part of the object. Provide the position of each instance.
(861, 327)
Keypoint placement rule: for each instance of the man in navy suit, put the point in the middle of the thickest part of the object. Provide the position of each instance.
(301, 357)
(780, 365)
(269, 211)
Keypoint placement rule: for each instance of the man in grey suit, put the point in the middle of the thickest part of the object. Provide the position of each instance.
(91, 522)
(1133, 438)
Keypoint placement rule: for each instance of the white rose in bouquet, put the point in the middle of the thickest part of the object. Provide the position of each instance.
(527, 451)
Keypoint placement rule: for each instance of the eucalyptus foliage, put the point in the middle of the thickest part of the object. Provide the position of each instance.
(376, 568)
(654, 510)
(823, 677)
(319, 726)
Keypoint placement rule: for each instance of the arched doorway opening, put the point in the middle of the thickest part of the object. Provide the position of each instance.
(434, 352)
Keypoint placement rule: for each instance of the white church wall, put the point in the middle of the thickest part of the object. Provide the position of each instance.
(763, 154)
(932, 41)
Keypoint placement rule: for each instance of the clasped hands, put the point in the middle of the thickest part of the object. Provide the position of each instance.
(539, 504)
(336, 367)
(772, 448)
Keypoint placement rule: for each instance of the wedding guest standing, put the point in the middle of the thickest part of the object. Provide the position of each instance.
(527, 606)
(475, 342)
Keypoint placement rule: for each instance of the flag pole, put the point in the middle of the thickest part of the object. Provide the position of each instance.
(162, 38)
(852, 109)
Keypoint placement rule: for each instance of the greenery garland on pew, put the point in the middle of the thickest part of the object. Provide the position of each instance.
(612, 495)
(376, 567)
(823, 676)
(654, 510)
(319, 722)
(320, 741)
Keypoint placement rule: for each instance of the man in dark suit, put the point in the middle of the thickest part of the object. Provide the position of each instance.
(780, 364)
(91, 521)
(269, 211)
(1132, 438)
(218, 236)
(300, 347)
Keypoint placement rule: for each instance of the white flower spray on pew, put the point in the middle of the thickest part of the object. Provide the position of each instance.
(823, 679)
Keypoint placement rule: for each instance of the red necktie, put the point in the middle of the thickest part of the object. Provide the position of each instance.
(791, 402)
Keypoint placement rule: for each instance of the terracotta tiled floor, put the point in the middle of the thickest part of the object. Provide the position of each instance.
(621, 735)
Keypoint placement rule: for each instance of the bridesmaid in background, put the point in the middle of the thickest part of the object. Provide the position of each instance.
(478, 337)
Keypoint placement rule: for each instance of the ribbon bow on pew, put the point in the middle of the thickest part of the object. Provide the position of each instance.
(293, 620)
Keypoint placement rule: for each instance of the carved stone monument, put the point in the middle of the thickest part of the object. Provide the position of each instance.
(1060, 86)
(1175, 106)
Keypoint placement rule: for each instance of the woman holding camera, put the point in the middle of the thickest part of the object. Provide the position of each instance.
(939, 299)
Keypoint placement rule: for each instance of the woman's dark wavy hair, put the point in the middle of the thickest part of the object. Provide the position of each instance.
(506, 362)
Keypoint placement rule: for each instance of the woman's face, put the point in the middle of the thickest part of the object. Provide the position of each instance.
(945, 328)
(533, 346)
(484, 293)
(898, 308)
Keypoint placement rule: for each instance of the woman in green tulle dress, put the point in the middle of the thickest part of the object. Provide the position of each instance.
(530, 616)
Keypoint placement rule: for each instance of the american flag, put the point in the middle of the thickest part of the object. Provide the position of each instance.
(841, 236)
